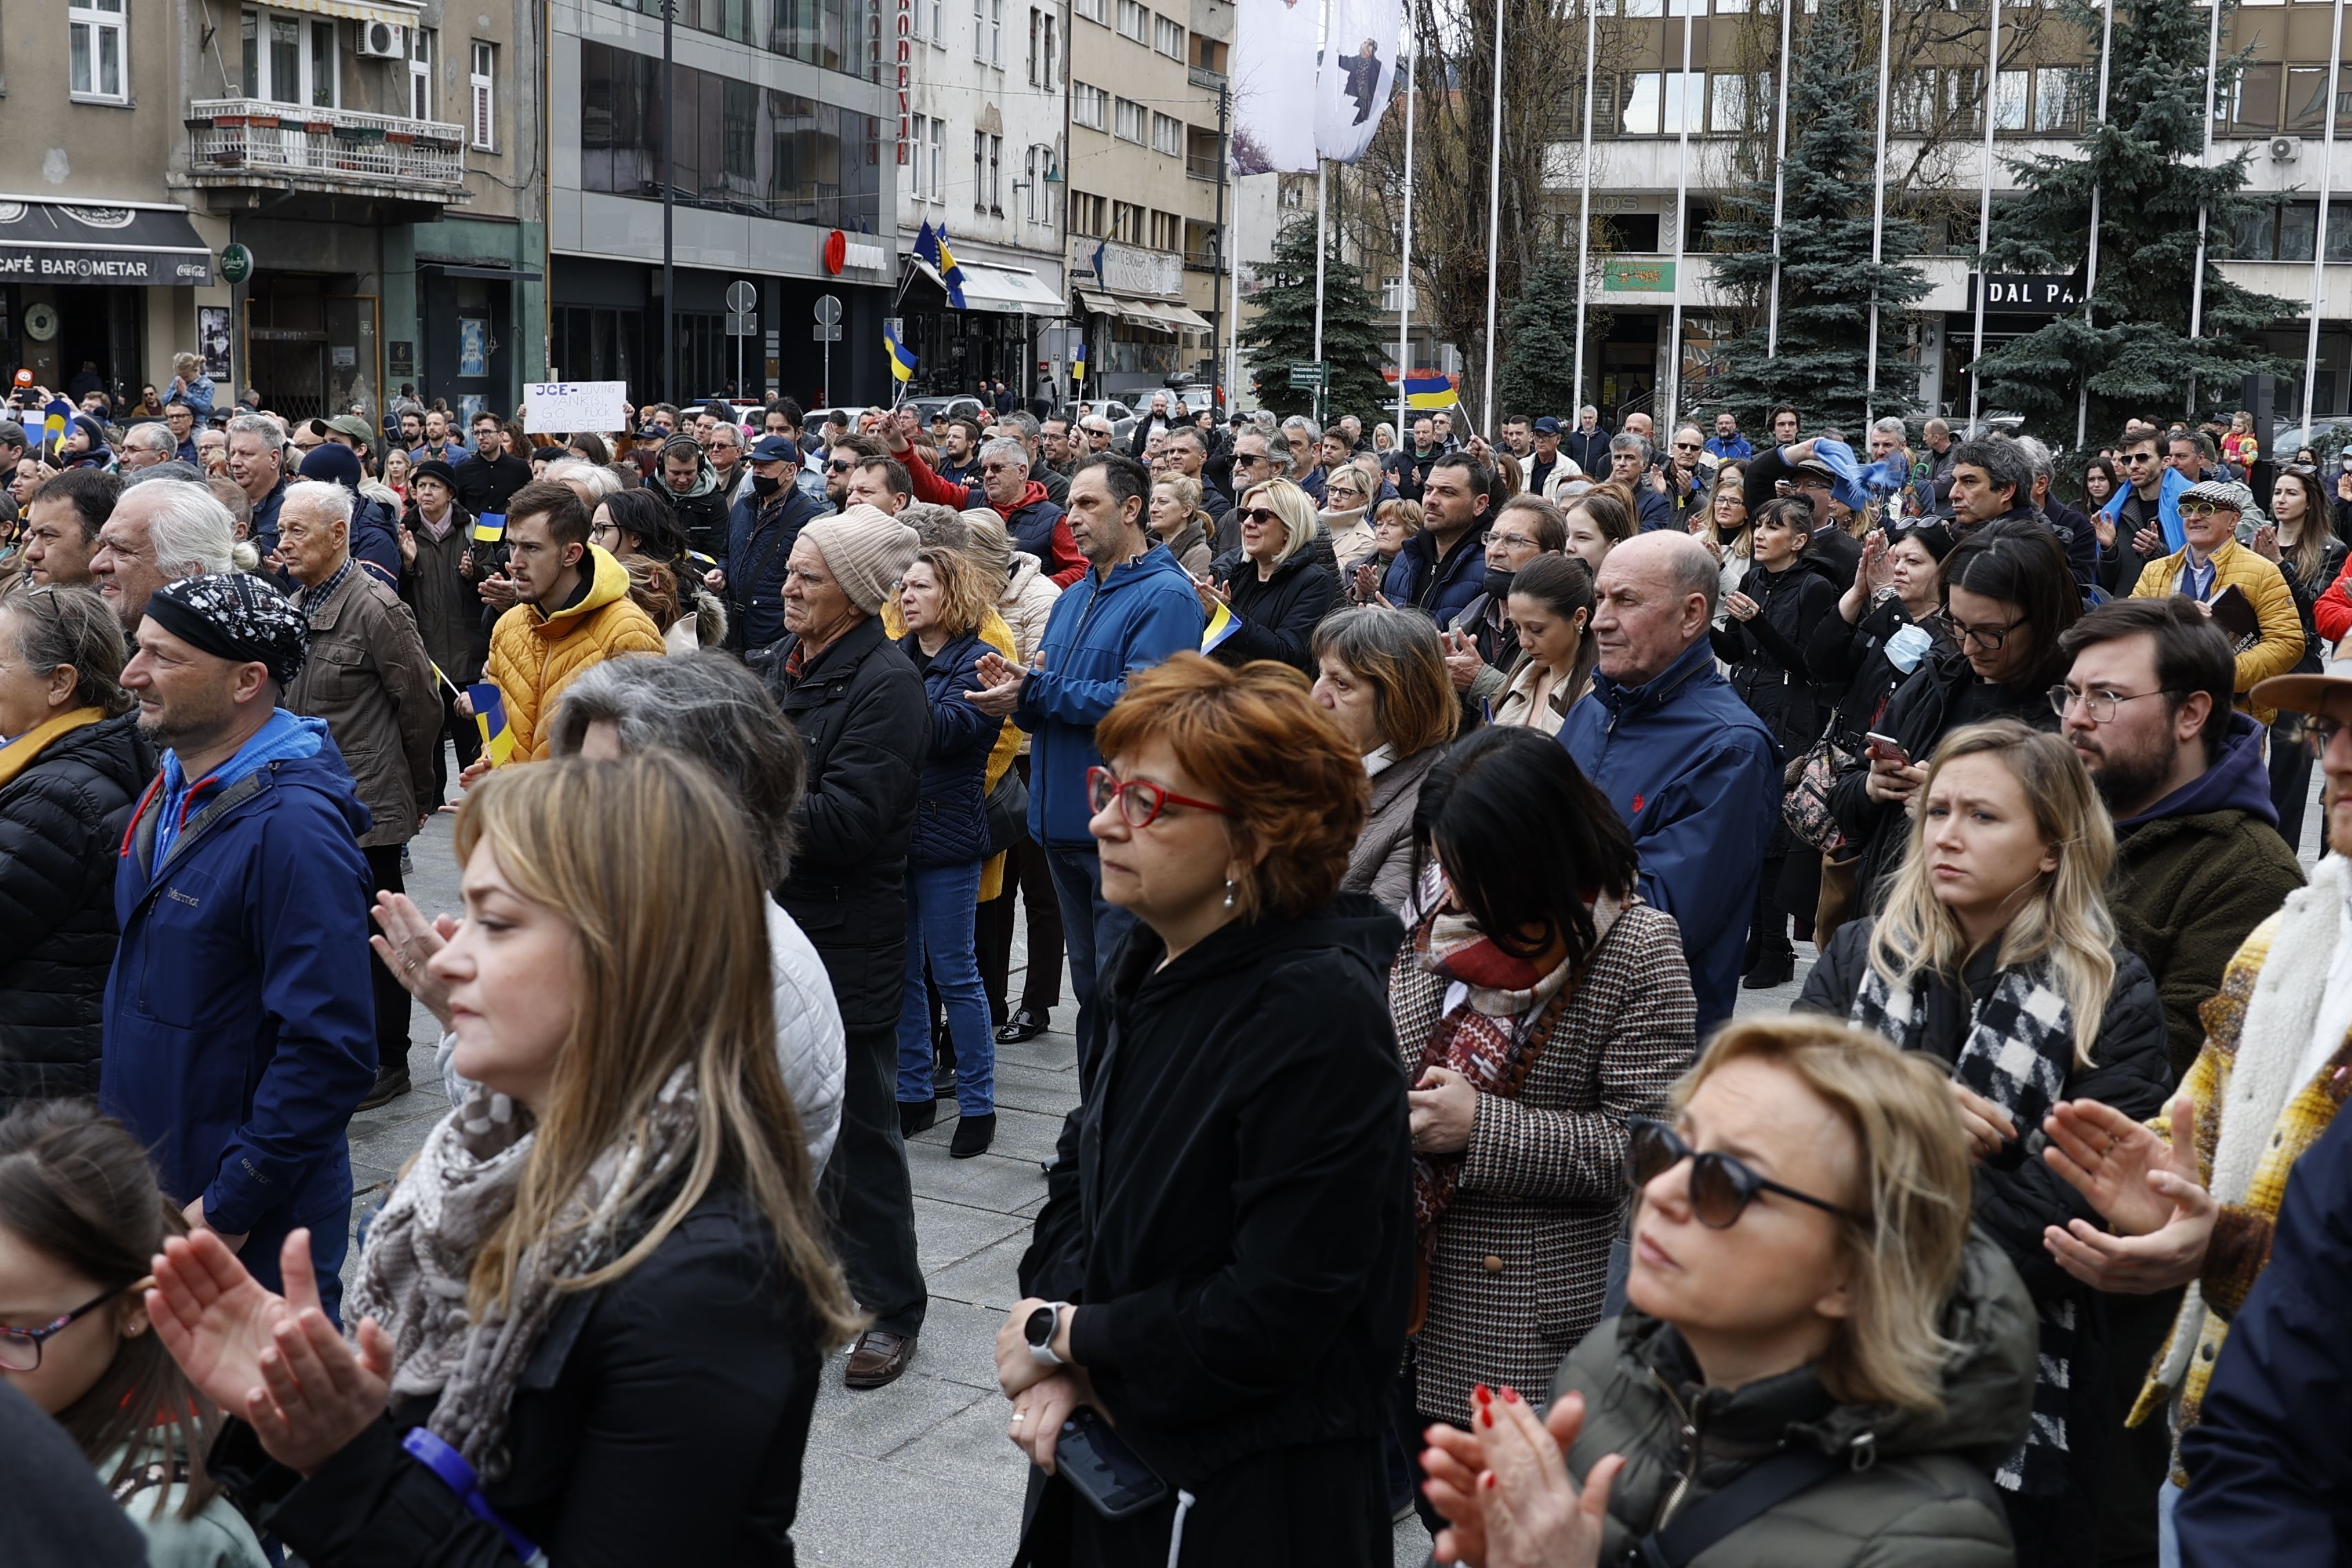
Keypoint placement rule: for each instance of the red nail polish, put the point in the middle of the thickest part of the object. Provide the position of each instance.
(1511, 1395)
(1487, 1481)
(1482, 1393)
(1486, 1418)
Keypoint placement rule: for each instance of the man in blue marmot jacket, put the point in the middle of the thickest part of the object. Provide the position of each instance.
(1135, 607)
(240, 1031)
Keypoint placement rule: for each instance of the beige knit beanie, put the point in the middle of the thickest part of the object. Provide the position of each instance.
(869, 551)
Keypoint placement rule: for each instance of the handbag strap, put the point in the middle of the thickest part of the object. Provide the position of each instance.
(1756, 1491)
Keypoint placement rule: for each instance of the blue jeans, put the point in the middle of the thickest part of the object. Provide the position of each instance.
(941, 903)
(1091, 929)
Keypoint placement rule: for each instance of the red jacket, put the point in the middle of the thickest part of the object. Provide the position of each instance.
(2332, 611)
(1035, 523)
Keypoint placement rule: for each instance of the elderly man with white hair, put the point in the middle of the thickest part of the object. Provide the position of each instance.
(159, 532)
(144, 446)
(1038, 525)
(369, 679)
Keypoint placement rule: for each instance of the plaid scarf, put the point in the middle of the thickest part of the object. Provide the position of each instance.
(314, 597)
(2019, 1052)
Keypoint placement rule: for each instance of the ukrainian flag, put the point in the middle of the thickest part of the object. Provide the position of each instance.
(902, 358)
(1220, 626)
(931, 249)
(491, 717)
(490, 528)
(1429, 392)
(1078, 362)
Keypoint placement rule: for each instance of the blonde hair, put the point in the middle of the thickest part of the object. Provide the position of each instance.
(1295, 508)
(598, 843)
(965, 596)
(1911, 1200)
(1187, 491)
(2064, 921)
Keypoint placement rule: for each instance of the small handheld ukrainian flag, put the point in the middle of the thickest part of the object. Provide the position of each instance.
(1220, 626)
(491, 717)
(1078, 362)
(490, 528)
(902, 358)
(1429, 392)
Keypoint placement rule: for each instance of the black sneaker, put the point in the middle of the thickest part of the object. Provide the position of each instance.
(390, 1083)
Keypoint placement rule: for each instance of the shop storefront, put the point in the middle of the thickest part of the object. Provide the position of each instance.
(996, 336)
(1138, 328)
(78, 283)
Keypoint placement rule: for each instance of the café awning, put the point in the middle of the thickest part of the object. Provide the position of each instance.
(98, 242)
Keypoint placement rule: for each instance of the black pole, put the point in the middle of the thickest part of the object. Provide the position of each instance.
(670, 138)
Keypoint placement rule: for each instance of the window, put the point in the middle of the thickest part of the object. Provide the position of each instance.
(1208, 54)
(938, 24)
(2060, 94)
(484, 124)
(2251, 104)
(1049, 73)
(1168, 37)
(996, 33)
(1728, 110)
(1127, 222)
(1086, 214)
(1134, 21)
(1087, 106)
(420, 73)
(1963, 99)
(95, 38)
(2009, 99)
(1684, 99)
(980, 29)
(1638, 94)
(995, 175)
(917, 134)
(288, 62)
(1167, 231)
(1035, 39)
(1092, 10)
(1129, 123)
(325, 78)
(979, 171)
(1168, 135)
(1031, 171)
(1911, 102)
(938, 160)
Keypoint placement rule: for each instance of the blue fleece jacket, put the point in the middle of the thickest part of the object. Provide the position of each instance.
(1101, 630)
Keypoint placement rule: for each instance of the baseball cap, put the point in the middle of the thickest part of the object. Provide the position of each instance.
(354, 426)
(1547, 425)
(773, 450)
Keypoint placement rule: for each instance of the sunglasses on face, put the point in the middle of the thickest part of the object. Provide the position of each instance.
(1261, 516)
(1721, 1187)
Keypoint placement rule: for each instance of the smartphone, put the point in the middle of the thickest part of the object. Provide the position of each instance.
(1109, 1475)
(1888, 746)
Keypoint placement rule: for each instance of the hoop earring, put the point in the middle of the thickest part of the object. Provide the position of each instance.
(1229, 893)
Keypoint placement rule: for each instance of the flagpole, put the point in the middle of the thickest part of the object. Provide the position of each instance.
(1584, 210)
(1320, 246)
(1984, 218)
(1682, 222)
(1779, 178)
(1494, 220)
(2319, 240)
(2205, 160)
(1877, 214)
(2091, 262)
(1404, 270)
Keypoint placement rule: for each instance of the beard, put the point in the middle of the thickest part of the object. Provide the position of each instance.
(2128, 781)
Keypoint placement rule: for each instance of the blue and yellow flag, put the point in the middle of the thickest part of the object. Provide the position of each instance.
(1078, 362)
(902, 358)
(490, 528)
(931, 249)
(1220, 626)
(491, 717)
(1429, 392)
(56, 416)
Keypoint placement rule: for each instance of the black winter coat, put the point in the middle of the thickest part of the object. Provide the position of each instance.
(1941, 695)
(61, 820)
(660, 1419)
(1276, 618)
(702, 518)
(489, 486)
(951, 823)
(1766, 653)
(863, 718)
(1230, 1209)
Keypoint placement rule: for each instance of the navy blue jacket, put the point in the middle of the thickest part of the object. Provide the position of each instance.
(1101, 630)
(2269, 1460)
(1655, 511)
(264, 530)
(239, 1033)
(951, 823)
(375, 539)
(1696, 776)
(1417, 580)
(756, 556)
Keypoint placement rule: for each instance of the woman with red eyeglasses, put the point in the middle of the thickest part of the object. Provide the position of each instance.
(1222, 1268)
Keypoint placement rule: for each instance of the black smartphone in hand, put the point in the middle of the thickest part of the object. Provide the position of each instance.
(1104, 1470)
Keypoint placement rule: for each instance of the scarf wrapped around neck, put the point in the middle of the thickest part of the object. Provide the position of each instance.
(421, 1250)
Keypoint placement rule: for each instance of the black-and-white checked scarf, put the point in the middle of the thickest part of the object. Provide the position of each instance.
(2019, 1052)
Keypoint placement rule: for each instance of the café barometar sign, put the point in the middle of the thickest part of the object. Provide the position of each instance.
(73, 242)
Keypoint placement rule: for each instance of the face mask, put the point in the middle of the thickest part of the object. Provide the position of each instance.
(1496, 583)
(1907, 646)
(766, 484)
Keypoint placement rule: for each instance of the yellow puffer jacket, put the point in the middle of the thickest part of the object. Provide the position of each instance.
(2280, 646)
(534, 656)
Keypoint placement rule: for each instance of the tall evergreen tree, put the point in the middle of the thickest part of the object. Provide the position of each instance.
(2146, 160)
(1538, 375)
(1355, 338)
(1827, 282)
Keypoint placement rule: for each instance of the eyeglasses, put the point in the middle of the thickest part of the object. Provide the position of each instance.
(2100, 705)
(1721, 1187)
(20, 1349)
(1988, 638)
(996, 468)
(2204, 508)
(1512, 541)
(2319, 734)
(1141, 801)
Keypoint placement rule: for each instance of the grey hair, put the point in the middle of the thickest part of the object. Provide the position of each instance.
(75, 627)
(1264, 419)
(257, 425)
(150, 436)
(1891, 426)
(2038, 454)
(1587, 408)
(1300, 422)
(601, 481)
(707, 706)
(1023, 421)
(331, 499)
(191, 530)
(1006, 448)
(171, 469)
(1697, 571)
(936, 524)
(1626, 441)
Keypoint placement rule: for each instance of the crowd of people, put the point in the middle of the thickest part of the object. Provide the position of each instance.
(1408, 811)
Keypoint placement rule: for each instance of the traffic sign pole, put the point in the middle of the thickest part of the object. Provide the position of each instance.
(828, 330)
(740, 298)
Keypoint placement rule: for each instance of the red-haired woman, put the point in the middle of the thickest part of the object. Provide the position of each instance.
(1230, 1203)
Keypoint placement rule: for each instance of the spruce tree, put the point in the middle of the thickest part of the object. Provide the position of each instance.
(2148, 163)
(1538, 375)
(1355, 340)
(1827, 282)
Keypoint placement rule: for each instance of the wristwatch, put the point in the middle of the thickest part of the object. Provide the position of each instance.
(1039, 1331)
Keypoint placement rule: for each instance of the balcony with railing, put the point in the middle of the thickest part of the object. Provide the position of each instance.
(242, 143)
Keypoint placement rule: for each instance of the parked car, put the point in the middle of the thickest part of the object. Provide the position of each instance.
(956, 407)
(2325, 439)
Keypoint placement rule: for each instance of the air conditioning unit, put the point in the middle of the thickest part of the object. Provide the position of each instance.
(382, 41)
(2286, 149)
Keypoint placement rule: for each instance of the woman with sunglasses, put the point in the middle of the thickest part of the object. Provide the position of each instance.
(2007, 595)
(1807, 1313)
(1272, 592)
(81, 1215)
(1997, 956)
(2310, 557)
(1230, 1207)
(1533, 1018)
